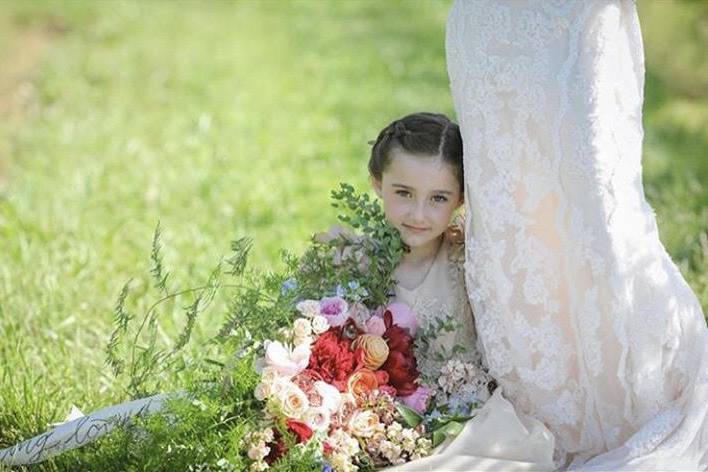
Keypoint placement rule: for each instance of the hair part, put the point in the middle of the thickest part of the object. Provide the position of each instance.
(424, 134)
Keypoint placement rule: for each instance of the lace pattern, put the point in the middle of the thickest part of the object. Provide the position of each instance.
(581, 315)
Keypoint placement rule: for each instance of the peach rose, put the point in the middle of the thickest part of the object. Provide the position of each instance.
(375, 350)
(362, 382)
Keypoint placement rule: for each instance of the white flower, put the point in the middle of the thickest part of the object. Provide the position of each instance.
(294, 401)
(342, 463)
(267, 435)
(308, 340)
(308, 308)
(302, 328)
(320, 324)
(424, 446)
(343, 443)
(285, 361)
(394, 431)
(408, 438)
(259, 466)
(258, 451)
(392, 452)
(331, 398)
(278, 385)
(268, 375)
(364, 424)
(261, 392)
(317, 418)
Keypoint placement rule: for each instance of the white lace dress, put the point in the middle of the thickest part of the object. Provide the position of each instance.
(582, 317)
(497, 438)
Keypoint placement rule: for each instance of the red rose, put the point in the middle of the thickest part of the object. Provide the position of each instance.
(396, 337)
(300, 429)
(278, 449)
(331, 357)
(402, 371)
(401, 365)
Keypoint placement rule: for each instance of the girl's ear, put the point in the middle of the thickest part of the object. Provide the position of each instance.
(376, 184)
(461, 202)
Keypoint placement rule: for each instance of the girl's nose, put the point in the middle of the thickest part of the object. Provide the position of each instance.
(418, 212)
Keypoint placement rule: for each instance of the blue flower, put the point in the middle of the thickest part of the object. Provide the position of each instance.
(288, 286)
(340, 291)
(353, 285)
(326, 467)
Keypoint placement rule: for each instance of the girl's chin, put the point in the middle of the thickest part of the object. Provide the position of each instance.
(416, 241)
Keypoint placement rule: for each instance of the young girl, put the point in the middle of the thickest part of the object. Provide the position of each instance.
(416, 169)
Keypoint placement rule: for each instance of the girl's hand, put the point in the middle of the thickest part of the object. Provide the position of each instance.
(335, 232)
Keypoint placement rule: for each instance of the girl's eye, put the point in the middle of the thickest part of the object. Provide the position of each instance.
(403, 193)
(439, 199)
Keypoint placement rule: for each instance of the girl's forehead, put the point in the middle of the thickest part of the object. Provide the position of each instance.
(420, 171)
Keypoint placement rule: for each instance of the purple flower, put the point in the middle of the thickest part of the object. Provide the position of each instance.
(418, 400)
(335, 310)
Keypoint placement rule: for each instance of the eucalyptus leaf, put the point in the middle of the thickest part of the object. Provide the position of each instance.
(411, 417)
(452, 429)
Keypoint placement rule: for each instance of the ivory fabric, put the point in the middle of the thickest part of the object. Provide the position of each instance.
(497, 438)
(581, 315)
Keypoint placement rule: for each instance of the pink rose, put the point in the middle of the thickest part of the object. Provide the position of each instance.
(403, 316)
(375, 326)
(287, 362)
(418, 400)
(335, 309)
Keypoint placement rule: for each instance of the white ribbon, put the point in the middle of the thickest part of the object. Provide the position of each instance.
(79, 430)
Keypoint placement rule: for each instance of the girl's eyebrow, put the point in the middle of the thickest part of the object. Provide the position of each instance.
(406, 187)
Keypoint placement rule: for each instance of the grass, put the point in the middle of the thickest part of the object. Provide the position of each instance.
(229, 119)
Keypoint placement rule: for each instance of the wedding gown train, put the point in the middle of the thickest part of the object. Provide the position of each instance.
(583, 318)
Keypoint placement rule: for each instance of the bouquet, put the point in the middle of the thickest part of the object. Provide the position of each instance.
(337, 382)
(344, 378)
(313, 367)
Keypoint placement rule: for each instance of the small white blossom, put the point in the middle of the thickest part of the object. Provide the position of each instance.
(302, 328)
(319, 324)
(308, 308)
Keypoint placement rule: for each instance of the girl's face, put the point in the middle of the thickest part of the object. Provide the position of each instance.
(420, 195)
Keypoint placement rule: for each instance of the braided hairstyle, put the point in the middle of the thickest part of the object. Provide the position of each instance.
(423, 134)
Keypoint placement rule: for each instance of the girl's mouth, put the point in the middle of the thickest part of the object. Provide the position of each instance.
(414, 229)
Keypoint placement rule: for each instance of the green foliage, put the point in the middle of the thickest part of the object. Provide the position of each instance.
(221, 388)
(365, 260)
(411, 418)
(136, 354)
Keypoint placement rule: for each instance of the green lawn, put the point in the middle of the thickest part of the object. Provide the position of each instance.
(229, 119)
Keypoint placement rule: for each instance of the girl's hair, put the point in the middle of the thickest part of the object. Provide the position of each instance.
(425, 134)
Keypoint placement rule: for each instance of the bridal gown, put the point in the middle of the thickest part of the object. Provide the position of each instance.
(583, 318)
